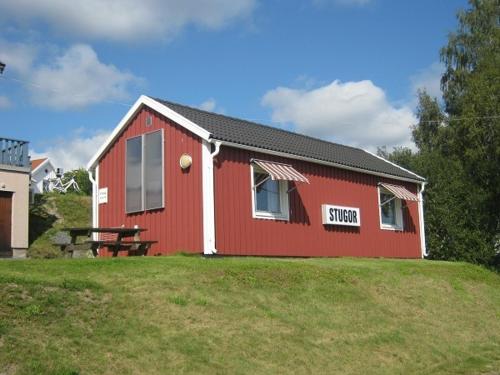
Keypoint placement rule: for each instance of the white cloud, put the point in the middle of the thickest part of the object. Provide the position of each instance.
(353, 113)
(78, 79)
(125, 20)
(75, 78)
(211, 105)
(72, 153)
(208, 105)
(428, 79)
(18, 57)
(5, 102)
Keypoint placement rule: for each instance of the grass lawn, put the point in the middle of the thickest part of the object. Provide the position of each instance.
(190, 315)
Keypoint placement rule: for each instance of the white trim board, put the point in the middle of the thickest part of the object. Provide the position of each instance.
(156, 106)
(397, 166)
(208, 203)
(421, 216)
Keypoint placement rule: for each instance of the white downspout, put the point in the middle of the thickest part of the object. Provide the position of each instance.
(421, 219)
(217, 149)
(212, 156)
(209, 196)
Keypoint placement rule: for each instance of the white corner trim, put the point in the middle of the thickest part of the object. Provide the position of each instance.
(422, 220)
(97, 180)
(158, 107)
(208, 197)
(95, 199)
(394, 164)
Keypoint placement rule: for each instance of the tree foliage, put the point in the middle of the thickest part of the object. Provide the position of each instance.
(458, 143)
(430, 121)
(82, 179)
(476, 42)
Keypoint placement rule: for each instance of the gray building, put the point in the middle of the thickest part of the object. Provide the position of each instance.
(14, 197)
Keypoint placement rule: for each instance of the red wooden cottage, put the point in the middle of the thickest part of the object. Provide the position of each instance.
(207, 183)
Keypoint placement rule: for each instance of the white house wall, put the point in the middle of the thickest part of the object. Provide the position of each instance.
(40, 175)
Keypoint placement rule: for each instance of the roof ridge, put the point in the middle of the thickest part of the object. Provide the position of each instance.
(259, 124)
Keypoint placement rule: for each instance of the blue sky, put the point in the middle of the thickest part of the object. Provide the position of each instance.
(342, 70)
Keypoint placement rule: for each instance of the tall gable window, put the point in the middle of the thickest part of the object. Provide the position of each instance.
(144, 172)
(134, 175)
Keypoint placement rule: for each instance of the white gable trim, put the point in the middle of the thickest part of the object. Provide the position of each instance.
(397, 166)
(156, 106)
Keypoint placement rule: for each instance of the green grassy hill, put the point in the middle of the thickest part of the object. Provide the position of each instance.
(190, 315)
(49, 214)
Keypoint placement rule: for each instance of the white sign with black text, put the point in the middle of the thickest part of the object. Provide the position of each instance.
(340, 215)
(103, 195)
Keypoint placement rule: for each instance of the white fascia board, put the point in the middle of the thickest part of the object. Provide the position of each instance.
(176, 117)
(397, 166)
(316, 161)
(156, 106)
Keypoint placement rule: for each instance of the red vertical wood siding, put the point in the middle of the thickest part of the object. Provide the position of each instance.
(179, 225)
(238, 233)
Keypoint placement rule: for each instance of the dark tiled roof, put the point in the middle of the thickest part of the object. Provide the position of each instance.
(248, 133)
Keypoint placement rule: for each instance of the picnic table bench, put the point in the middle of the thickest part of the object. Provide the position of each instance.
(120, 242)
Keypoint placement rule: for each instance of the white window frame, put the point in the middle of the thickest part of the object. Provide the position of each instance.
(399, 226)
(283, 192)
(143, 190)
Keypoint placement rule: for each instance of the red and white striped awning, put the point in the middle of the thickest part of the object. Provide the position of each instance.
(279, 171)
(400, 192)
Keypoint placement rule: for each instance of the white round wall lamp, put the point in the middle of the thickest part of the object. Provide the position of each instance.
(185, 161)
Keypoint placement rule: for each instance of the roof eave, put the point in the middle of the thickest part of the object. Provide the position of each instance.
(418, 179)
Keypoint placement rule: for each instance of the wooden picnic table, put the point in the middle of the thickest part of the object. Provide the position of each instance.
(121, 243)
(121, 232)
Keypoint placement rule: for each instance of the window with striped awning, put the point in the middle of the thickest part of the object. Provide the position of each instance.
(400, 192)
(280, 171)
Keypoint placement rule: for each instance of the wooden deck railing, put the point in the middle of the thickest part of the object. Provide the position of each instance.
(14, 152)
